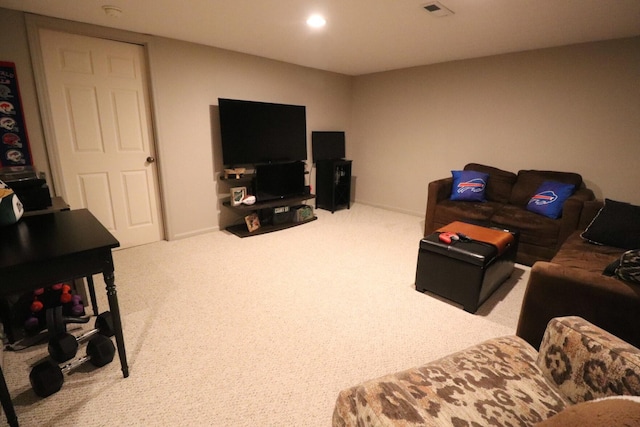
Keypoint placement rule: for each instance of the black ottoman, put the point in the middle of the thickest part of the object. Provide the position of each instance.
(466, 272)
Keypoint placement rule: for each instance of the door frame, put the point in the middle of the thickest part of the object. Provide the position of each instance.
(36, 22)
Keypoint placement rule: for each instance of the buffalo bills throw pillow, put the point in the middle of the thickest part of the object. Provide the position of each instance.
(469, 186)
(549, 198)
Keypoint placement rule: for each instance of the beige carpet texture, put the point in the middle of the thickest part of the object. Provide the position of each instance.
(264, 330)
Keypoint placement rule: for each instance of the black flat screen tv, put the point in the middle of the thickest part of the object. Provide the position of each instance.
(279, 180)
(327, 145)
(261, 132)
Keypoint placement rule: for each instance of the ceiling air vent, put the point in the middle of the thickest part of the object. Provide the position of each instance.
(437, 9)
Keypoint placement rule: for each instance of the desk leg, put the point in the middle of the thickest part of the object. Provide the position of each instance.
(7, 405)
(112, 295)
(92, 295)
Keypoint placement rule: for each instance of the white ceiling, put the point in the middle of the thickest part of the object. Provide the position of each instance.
(361, 36)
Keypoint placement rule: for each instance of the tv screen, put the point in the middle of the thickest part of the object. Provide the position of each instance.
(327, 145)
(279, 180)
(261, 132)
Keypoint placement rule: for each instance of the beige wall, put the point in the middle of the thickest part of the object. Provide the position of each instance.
(15, 48)
(574, 108)
(186, 81)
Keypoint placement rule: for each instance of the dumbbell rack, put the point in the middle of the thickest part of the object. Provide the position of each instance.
(55, 321)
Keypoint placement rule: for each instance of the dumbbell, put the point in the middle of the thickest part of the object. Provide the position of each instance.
(65, 346)
(47, 377)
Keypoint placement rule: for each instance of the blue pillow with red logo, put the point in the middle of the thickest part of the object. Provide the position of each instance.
(549, 198)
(469, 186)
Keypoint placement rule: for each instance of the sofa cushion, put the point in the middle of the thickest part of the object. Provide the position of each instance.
(610, 411)
(448, 211)
(549, 198)
(496, 382)
(529, 180)
(616, 224)
(499, 183)
(533, 228)
(468, 186)
(578, 253)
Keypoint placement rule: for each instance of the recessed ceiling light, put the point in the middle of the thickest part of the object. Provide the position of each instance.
(316, 21)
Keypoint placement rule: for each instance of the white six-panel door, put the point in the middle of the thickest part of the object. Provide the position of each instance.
(100, 114)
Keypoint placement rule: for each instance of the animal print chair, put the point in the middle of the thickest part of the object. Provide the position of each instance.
(504, 381)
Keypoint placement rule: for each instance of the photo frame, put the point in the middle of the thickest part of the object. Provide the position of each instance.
(252, 221)
(237, 195)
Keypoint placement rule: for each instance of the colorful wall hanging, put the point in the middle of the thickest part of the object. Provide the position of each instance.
(14, 143)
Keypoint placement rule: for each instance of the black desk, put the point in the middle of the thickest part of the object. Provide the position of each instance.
(42, 250)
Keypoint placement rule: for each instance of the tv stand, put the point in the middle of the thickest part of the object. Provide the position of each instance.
(263, 209)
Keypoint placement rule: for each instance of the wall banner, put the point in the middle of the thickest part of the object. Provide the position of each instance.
(14, 143)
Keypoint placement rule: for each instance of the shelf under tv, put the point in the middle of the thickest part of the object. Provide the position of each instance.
(241, 230)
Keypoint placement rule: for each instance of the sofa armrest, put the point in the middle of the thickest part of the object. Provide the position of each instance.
(586, 362)
(438, 191)
(554, 290)
(571, 212)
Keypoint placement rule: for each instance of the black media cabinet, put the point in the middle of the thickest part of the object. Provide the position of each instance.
(333, 184)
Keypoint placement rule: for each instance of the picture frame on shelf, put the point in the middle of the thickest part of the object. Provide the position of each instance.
(237, 195)
(252, 221)
(235, 173)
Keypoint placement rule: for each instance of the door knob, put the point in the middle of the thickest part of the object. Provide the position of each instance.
(151, 159)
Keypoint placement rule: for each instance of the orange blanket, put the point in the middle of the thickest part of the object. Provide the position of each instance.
(498, 238)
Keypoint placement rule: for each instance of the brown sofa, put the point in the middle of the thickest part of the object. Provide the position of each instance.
(505, 382)
(572, 283)
(507, 195)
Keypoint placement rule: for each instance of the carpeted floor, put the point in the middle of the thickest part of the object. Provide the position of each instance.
(263, 331)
